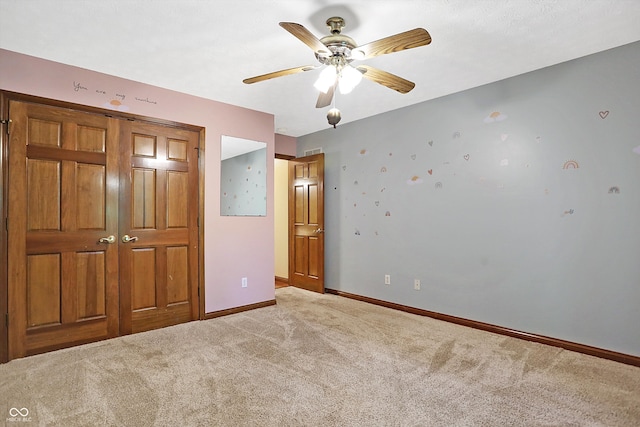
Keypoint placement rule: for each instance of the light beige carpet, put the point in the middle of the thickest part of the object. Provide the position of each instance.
(319, 360)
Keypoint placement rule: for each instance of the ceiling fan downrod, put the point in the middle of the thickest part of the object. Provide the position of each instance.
(336, 24)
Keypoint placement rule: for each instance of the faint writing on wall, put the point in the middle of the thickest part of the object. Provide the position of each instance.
(114, 100)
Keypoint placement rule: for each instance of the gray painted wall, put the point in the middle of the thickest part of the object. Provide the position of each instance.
(516, 203)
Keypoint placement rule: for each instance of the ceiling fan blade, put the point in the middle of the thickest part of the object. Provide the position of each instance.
(278, 74)
(324, 99)
(386, 79)
(402, 41)
(306, 37)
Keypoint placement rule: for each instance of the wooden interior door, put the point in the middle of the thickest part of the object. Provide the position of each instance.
(306, 222)
(158, 226)
(62, 222)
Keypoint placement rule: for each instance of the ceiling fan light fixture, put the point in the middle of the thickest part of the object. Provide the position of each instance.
(336, 51)
(349, 79)
(326, 79)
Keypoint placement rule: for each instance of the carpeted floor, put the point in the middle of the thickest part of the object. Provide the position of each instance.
(319, 360)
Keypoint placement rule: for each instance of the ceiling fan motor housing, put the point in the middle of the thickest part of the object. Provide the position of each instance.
(340, 45)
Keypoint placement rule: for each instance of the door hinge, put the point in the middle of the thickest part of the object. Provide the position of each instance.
(6, 319)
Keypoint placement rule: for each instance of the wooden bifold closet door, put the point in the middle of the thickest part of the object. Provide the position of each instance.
(78, 182)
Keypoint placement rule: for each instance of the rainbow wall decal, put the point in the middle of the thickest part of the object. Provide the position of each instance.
(570, 164)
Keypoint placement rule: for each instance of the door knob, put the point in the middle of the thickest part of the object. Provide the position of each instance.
(109, 239)
(319, 230)
(126, 238)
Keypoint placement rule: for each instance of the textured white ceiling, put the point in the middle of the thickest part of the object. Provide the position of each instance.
(206, 48)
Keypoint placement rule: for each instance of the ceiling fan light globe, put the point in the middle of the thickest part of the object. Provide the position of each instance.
(344, 87)
(349, 79)
(326, 79)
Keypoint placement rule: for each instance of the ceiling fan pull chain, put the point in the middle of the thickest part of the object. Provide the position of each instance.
(333, 116)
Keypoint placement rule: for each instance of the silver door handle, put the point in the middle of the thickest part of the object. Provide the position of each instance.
(109, 239)
(126, 238)
(319, 230)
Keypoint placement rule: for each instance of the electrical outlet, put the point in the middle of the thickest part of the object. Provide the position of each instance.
(244, 282)
(387, 279)
(416, 284)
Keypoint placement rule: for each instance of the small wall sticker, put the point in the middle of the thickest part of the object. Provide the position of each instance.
(495, 116)
(466, 157)
(377, 203)
(614, 190)
(430, 143)
(363, 152)
(414, 180)
(438, 185)
(344, 167)
(569, 212)
(570, 164)
(413, 157)
(430, 171)
(387, 213)
(116, 104)
(456, 135)
(383, 169)
(603, 114)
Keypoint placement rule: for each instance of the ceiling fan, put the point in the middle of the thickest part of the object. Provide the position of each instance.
(336, 52)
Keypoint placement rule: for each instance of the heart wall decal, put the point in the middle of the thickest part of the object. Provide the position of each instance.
(603, 114)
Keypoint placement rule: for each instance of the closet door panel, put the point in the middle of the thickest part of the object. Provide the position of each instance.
(63, 284)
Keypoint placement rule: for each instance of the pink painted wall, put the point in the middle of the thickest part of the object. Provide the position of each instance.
(286, 144)
(235, 247)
